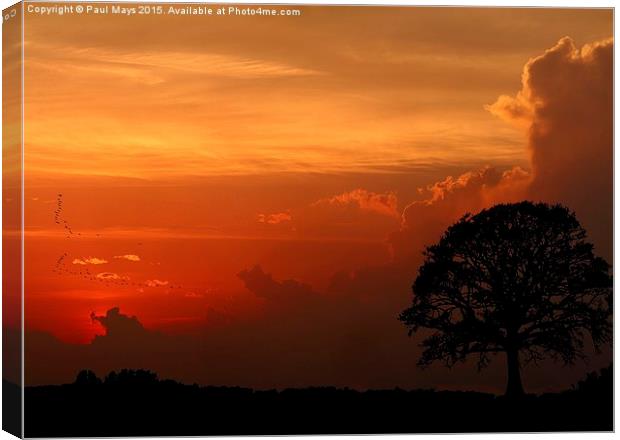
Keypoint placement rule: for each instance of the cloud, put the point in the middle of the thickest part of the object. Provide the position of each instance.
(191, 63)
(156, 283)
(109, 276)
(89, 260)
(566, 105)
(445, 201)
(118, 325)
(380, 203)
(355, 215)
(264, 286)
(129, 257)
(274, 219)
(156, 68)
(360, 214)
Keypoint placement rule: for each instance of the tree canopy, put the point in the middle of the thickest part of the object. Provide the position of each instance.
(515, 278)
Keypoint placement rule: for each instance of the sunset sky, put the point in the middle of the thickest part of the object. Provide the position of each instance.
(221, 177)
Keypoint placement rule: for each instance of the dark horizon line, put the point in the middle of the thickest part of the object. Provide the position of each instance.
(155, 379)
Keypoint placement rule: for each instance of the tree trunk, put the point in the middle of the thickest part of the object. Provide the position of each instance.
(514, 387)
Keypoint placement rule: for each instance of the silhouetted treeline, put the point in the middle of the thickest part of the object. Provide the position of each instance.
(138, 403)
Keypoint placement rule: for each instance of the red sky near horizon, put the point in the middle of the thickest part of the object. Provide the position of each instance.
(168, 156)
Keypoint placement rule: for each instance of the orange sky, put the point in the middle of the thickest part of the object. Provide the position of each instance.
(208, 145)
(334, 90)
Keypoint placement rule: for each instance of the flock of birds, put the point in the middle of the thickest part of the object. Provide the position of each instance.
(65, 267)
(60, 220)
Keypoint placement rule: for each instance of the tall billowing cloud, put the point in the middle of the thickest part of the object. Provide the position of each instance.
(566, 107)
(566, 104)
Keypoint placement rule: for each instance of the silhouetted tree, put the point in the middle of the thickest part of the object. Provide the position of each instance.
(516, 278)
(87, 378)
(128, 377)
(598, 384)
